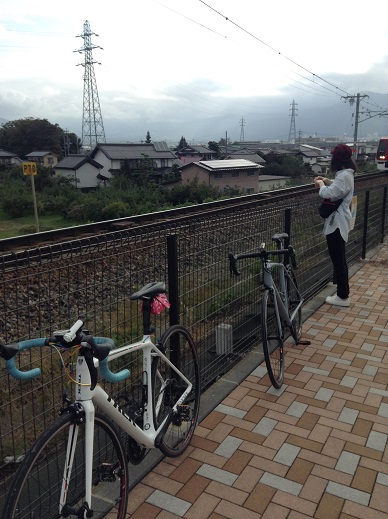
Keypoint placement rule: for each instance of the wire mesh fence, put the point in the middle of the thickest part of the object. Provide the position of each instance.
(50, 288)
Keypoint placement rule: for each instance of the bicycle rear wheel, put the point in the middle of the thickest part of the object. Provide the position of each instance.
(37, 485)
(168, 387)
(293, 301)
(273, 337)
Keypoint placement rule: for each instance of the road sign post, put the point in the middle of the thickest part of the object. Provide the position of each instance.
(30, 170)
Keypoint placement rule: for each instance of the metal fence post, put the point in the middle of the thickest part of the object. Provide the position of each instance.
(365, 231)
(383, 214)
(173, 294)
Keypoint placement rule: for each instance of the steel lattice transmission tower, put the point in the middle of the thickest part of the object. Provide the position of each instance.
(292, 132)
(242, 124)
(92, 125)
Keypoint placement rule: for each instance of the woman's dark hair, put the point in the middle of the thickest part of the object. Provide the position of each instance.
(341, 158)
(338, 164)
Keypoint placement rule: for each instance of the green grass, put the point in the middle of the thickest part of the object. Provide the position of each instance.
(26, 225)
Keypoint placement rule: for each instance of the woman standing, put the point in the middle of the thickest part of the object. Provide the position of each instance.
(337, 225)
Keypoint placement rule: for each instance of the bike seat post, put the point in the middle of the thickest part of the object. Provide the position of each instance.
(147, 330)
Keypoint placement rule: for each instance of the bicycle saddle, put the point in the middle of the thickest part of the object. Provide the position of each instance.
(149, 290)
(280, 236)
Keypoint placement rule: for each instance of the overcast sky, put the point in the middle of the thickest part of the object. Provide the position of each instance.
(179, 67)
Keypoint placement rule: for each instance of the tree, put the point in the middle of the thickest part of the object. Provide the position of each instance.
(23, 136)
(148, 137)
(182, 144)
(214, 146)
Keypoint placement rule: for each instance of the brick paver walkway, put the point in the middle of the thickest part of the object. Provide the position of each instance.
(315, 448)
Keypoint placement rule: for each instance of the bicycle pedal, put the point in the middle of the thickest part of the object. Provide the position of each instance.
(106, 473)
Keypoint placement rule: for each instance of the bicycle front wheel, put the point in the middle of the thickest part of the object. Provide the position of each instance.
(35, 491)
(168, 387)
(273, 337)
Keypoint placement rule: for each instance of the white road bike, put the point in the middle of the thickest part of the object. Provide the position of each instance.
(78, 468)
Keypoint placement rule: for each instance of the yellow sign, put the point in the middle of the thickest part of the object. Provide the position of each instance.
(29, 168)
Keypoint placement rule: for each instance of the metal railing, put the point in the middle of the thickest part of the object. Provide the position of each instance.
(49, 287)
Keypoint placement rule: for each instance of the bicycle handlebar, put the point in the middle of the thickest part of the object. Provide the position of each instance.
(263, 254)
(94, 347)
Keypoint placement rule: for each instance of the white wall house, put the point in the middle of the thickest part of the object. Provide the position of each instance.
(113, 156)
(82, 170)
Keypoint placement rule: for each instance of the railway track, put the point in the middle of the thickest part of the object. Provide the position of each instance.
(63, 239)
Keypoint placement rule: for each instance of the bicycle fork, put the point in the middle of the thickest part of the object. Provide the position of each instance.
(88, 416)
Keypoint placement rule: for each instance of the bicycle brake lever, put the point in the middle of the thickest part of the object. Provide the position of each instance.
(88, 355)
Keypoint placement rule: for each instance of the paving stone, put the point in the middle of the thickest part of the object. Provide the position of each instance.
(228, 447)
(265, 426)
(168, 502)
(296, 409)
(348, 493)
(231, 410)
(383, 410)
(216, 474)
(377, 440)
(287, 454)
(348, 415)
(290, 487)
(348, 462)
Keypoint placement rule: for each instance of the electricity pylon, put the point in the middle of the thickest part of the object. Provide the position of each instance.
(292, 132)
(92, 126)
(242, 123)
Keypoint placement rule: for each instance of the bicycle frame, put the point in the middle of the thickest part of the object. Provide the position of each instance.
(281, 305)
(88, 399)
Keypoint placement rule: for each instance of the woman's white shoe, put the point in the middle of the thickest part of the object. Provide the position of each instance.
(337, 301)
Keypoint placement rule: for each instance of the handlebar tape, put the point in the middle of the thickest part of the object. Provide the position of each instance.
(32, 373)
(101, 346)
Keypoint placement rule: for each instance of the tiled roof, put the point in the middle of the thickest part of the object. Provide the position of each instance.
(154, 150)
(253, 157)
(76, 161)
(39, 153)
(6, 154)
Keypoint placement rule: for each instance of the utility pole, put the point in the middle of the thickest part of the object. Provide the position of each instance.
(355, 99)
(92, 126)
(292, 132)
(242, 124)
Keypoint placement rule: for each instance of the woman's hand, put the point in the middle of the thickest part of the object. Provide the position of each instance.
(322, 181)
(319, 182)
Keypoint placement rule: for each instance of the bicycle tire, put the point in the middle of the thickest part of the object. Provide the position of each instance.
(272, 337)
(293, 301)
(37, 484)
(178, 346)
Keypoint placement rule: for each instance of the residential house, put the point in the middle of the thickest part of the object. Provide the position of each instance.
(114, 157)
(43, 158)
(240, 173)
(9, 159)
(195, 154)
(247, 154)
(82, 170)
(271, 182)
(321, 167)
